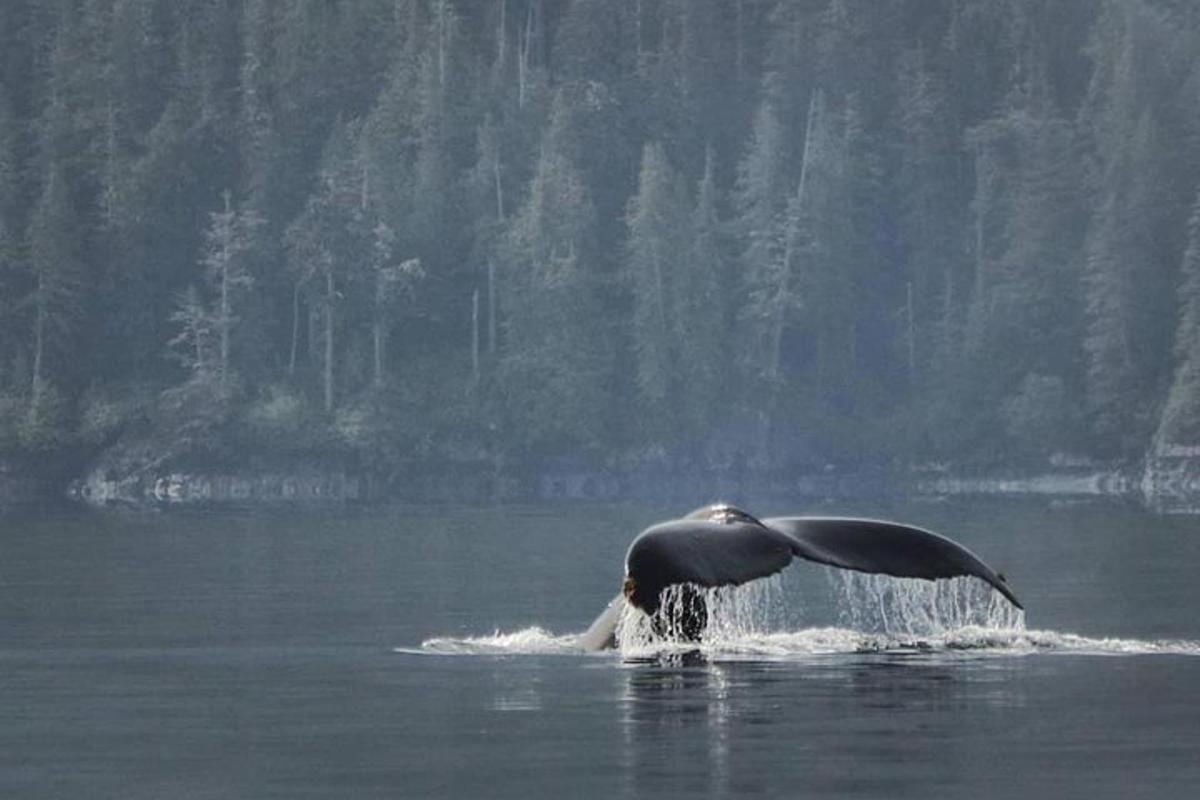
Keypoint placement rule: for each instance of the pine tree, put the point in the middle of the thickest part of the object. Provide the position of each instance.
(194, 346)
(758, 200)
(1129, 263)
(11, 276)
(395, 288)
(327, 243)
(228, 242)
(702, 311)
(654, 252)
(55, 253)
(553, 361)
(1180, 420)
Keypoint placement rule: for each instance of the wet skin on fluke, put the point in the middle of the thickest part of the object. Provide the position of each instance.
(720, 545)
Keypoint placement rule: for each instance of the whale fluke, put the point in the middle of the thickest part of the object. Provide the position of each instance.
(724, 546)
(888, 548)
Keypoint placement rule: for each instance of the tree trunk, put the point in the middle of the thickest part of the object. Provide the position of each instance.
(39, 338)
(379, 337)
(502, 36)
(329, 298)
(662, 299)
(475, 336)
(739, 58)
(224, 318)
(295, 328)
(786, 273)
(637, 33)
(524, 43)
(912, 337)
(499, 186)
(981, 211)
(491, 299)
(441, 53)
(781, 294)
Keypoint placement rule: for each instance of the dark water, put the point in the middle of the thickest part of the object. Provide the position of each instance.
(250, 655)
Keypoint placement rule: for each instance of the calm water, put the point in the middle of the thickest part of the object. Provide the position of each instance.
(426, 654)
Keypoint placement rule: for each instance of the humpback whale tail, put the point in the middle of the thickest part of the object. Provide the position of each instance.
(724, 546)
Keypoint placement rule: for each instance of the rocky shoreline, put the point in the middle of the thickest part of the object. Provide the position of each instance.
(1168, 482)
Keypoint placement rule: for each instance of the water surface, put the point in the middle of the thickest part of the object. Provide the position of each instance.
(425, 653)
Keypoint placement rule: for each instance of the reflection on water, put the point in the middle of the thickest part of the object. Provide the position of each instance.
(716, 728)
(517, 690)
(676, 714)
(431, 653)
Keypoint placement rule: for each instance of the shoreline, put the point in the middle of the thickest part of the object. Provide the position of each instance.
(1165, 484)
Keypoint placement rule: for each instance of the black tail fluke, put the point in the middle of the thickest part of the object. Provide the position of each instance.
(888, 548)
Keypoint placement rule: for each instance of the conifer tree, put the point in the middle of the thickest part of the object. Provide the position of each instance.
(1180, 421)
(228, 244)
(553, 357)
(56, 259)
(656, 245)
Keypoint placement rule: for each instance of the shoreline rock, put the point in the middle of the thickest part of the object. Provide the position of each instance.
(143, 471)
(243, 488)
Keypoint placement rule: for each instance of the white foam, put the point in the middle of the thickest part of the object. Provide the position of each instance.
(955, 618)
(527, 641)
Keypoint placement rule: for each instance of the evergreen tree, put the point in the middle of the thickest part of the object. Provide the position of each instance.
(703, 313)
(1129, 262)
(656, 266)
(973, 215)
(1180, 422)
(758, 200)
(56, 259)
(553, 362)
(195, 345)
(327, 244)
(228, 241)
(11, 276)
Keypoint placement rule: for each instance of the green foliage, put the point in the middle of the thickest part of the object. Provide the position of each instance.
(657, 247)
(281, 419)
(1038, 417)
(45, 426)
(105, 411)
(12, 408)
(518, 230)
(1180, 422)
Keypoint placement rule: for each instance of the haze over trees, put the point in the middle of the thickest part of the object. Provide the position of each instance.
(790, 232)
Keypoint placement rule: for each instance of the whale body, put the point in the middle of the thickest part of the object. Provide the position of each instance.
(721, 545)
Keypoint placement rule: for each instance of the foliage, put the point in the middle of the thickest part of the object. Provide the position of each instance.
(529, 229)
(105, 411)
(1038, 416)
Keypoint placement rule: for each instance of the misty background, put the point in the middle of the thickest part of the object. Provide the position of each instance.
(722, 233)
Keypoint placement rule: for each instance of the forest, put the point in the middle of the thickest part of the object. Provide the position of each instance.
(778, 233)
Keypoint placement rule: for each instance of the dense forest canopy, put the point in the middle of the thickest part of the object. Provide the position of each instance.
(791, 232)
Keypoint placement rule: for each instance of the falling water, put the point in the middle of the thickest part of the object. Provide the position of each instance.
(734, 613)
(770, 618)
(919, 608)
(874, 612)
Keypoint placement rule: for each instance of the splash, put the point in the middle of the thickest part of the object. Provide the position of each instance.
(768, 619)
(528, 641)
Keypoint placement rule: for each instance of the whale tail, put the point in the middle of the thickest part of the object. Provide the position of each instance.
(887, 548)
(724, 546)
